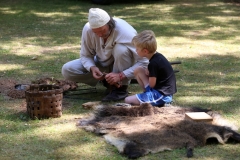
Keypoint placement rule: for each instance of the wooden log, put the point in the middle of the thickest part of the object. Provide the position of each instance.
(198, 116)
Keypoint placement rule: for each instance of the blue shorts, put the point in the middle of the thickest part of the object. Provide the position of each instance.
(154, 97)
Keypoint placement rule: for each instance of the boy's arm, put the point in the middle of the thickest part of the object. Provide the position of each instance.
(152, 81)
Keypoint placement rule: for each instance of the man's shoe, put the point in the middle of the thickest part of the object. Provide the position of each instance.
(107, 85)
(116, 94)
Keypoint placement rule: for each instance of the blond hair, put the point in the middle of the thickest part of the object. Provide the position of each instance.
(145, 40)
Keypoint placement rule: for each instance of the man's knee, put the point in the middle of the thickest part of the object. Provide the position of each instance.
(64, 67)
(138, 70)
(69, 69)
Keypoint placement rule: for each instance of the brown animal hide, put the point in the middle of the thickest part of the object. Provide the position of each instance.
(66, 85)
(140, 130)
(9, 88)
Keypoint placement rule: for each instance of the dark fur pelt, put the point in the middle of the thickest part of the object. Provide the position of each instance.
(138, 111)
(139, 130)
(134, 111)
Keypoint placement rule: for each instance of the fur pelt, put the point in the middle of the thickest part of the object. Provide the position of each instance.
(140, 130)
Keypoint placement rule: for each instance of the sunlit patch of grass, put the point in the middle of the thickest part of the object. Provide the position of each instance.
(52, 14)
(204, 99)
(8, 10)
(6, 67)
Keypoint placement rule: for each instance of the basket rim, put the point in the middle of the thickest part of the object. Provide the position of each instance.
(34, 88)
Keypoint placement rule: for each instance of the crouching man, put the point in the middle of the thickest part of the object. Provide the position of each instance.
(106, 55)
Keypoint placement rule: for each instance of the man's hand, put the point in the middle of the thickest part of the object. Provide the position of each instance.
(113, 78)
(97, 74)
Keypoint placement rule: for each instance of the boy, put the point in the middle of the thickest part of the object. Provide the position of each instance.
(158, 81)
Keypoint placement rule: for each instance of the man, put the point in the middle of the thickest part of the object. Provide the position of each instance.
(106, 55)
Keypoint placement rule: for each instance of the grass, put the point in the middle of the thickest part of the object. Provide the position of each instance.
(204, 35)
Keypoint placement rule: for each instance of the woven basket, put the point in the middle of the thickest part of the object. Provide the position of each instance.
(44, 101)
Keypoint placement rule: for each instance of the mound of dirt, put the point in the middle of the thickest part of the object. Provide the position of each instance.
(7, 88)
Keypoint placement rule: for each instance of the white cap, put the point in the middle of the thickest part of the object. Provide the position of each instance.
(97, 18)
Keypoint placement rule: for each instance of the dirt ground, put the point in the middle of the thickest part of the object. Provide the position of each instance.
(10, 88)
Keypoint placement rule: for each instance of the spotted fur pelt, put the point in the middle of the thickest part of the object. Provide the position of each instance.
(140, 130)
